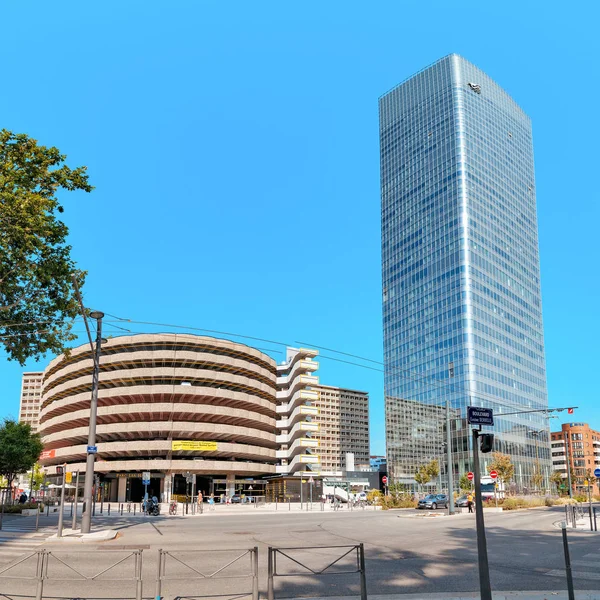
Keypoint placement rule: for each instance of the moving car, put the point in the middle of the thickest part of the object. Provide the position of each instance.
(434, 501)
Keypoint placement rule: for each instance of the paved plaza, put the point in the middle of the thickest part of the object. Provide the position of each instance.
(405, 553)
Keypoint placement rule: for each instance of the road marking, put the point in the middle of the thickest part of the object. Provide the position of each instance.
(576, 574)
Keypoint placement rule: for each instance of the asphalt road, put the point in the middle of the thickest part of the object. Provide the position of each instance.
(405, 552)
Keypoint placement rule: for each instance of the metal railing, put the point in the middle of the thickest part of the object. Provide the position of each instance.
(358, 549)
(49, 560)
(188, 569)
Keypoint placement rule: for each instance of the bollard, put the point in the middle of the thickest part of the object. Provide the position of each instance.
(47, 510)
(134, 507)
(574, 517)
(289, 505)
(363, 575)
(254, 561)
(121, 509)
(275, 502)
(139, 593)
(591, 522)
(568, 564)
(39, 575)
(186, 507)
(109, 508)
(595, 522)
(567, 513)
(37, 518)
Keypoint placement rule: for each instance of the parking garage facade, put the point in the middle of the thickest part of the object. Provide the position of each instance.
(196, 413)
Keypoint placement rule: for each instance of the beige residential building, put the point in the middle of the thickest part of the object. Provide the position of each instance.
(31, 399)
(343, 418)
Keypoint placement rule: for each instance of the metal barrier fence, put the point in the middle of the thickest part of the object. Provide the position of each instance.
(48, 561)
(309, 571)
(175, 556)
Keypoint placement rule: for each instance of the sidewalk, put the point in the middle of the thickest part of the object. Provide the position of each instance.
(548, 595)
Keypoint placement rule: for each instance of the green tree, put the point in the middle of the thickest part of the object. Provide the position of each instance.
(38, 476)
(37, 300)
(537, 479)
(464, 484)
(556, 479)
(433, 468)
(504, 467)
(19, 449)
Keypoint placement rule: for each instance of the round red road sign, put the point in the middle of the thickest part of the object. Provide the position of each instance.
(470, 476)
(384, 479)
(493, 474)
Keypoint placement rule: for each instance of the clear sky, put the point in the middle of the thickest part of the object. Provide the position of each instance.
(234, 150)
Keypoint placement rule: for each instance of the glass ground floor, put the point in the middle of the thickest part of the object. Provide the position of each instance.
(129, 487)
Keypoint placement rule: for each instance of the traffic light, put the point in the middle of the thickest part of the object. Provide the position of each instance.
(59, 470)
(487, 442)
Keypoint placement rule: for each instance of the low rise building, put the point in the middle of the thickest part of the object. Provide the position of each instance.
(576, 446)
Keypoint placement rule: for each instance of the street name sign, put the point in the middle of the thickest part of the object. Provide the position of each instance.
(476, 415)
(92, 449)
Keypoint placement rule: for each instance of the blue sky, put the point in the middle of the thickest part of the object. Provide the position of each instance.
(234, 150)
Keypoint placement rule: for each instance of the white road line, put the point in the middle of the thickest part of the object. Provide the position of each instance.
(576, 574)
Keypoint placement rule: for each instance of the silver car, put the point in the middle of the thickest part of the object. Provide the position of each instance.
(434, 501)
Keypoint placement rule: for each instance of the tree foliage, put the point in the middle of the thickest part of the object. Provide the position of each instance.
(556, 478)
(425, 473)
(464, 484)
(37, 301)
(503, 465)
(19, 449)
(537, 479)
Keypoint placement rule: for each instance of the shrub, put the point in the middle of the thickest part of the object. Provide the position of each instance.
(580, 498)
(400, 501)
(550, 501)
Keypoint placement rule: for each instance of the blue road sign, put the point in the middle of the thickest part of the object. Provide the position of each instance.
(145, 481)
(92, 449)
(596, 472)
(480, 416)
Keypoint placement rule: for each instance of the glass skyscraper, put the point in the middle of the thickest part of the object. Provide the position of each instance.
(462, 311)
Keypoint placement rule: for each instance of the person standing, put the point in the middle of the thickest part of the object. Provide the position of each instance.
(200, 500)
(470, 502)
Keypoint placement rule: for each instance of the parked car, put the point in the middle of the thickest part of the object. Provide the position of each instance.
(235, 499)
(434, 501)
(461, 502)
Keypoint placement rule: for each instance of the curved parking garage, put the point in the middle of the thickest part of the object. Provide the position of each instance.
(169, 404)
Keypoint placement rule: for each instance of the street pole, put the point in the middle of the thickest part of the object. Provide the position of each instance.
(86, 518)
(449, 469)
(301, 492)
(568, 465)
(484, 569)
(76, 499)
(62, 502)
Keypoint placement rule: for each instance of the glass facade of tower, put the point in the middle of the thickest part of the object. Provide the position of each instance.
(462, 309)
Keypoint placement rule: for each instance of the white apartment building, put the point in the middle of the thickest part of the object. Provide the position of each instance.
(343, 418)
(31, 399)
(297, 412)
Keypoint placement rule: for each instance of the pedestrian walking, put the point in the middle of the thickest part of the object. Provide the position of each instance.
(211, 502)
(470, 502)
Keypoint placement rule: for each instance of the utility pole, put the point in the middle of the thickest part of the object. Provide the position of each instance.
(568, 465)
(86, 517)
(61, 510)
(484, 569)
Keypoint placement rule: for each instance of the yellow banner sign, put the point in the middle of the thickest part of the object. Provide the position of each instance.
(68, 477)
(194, 445)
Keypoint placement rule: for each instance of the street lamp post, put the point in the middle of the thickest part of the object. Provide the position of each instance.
(86, 517)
